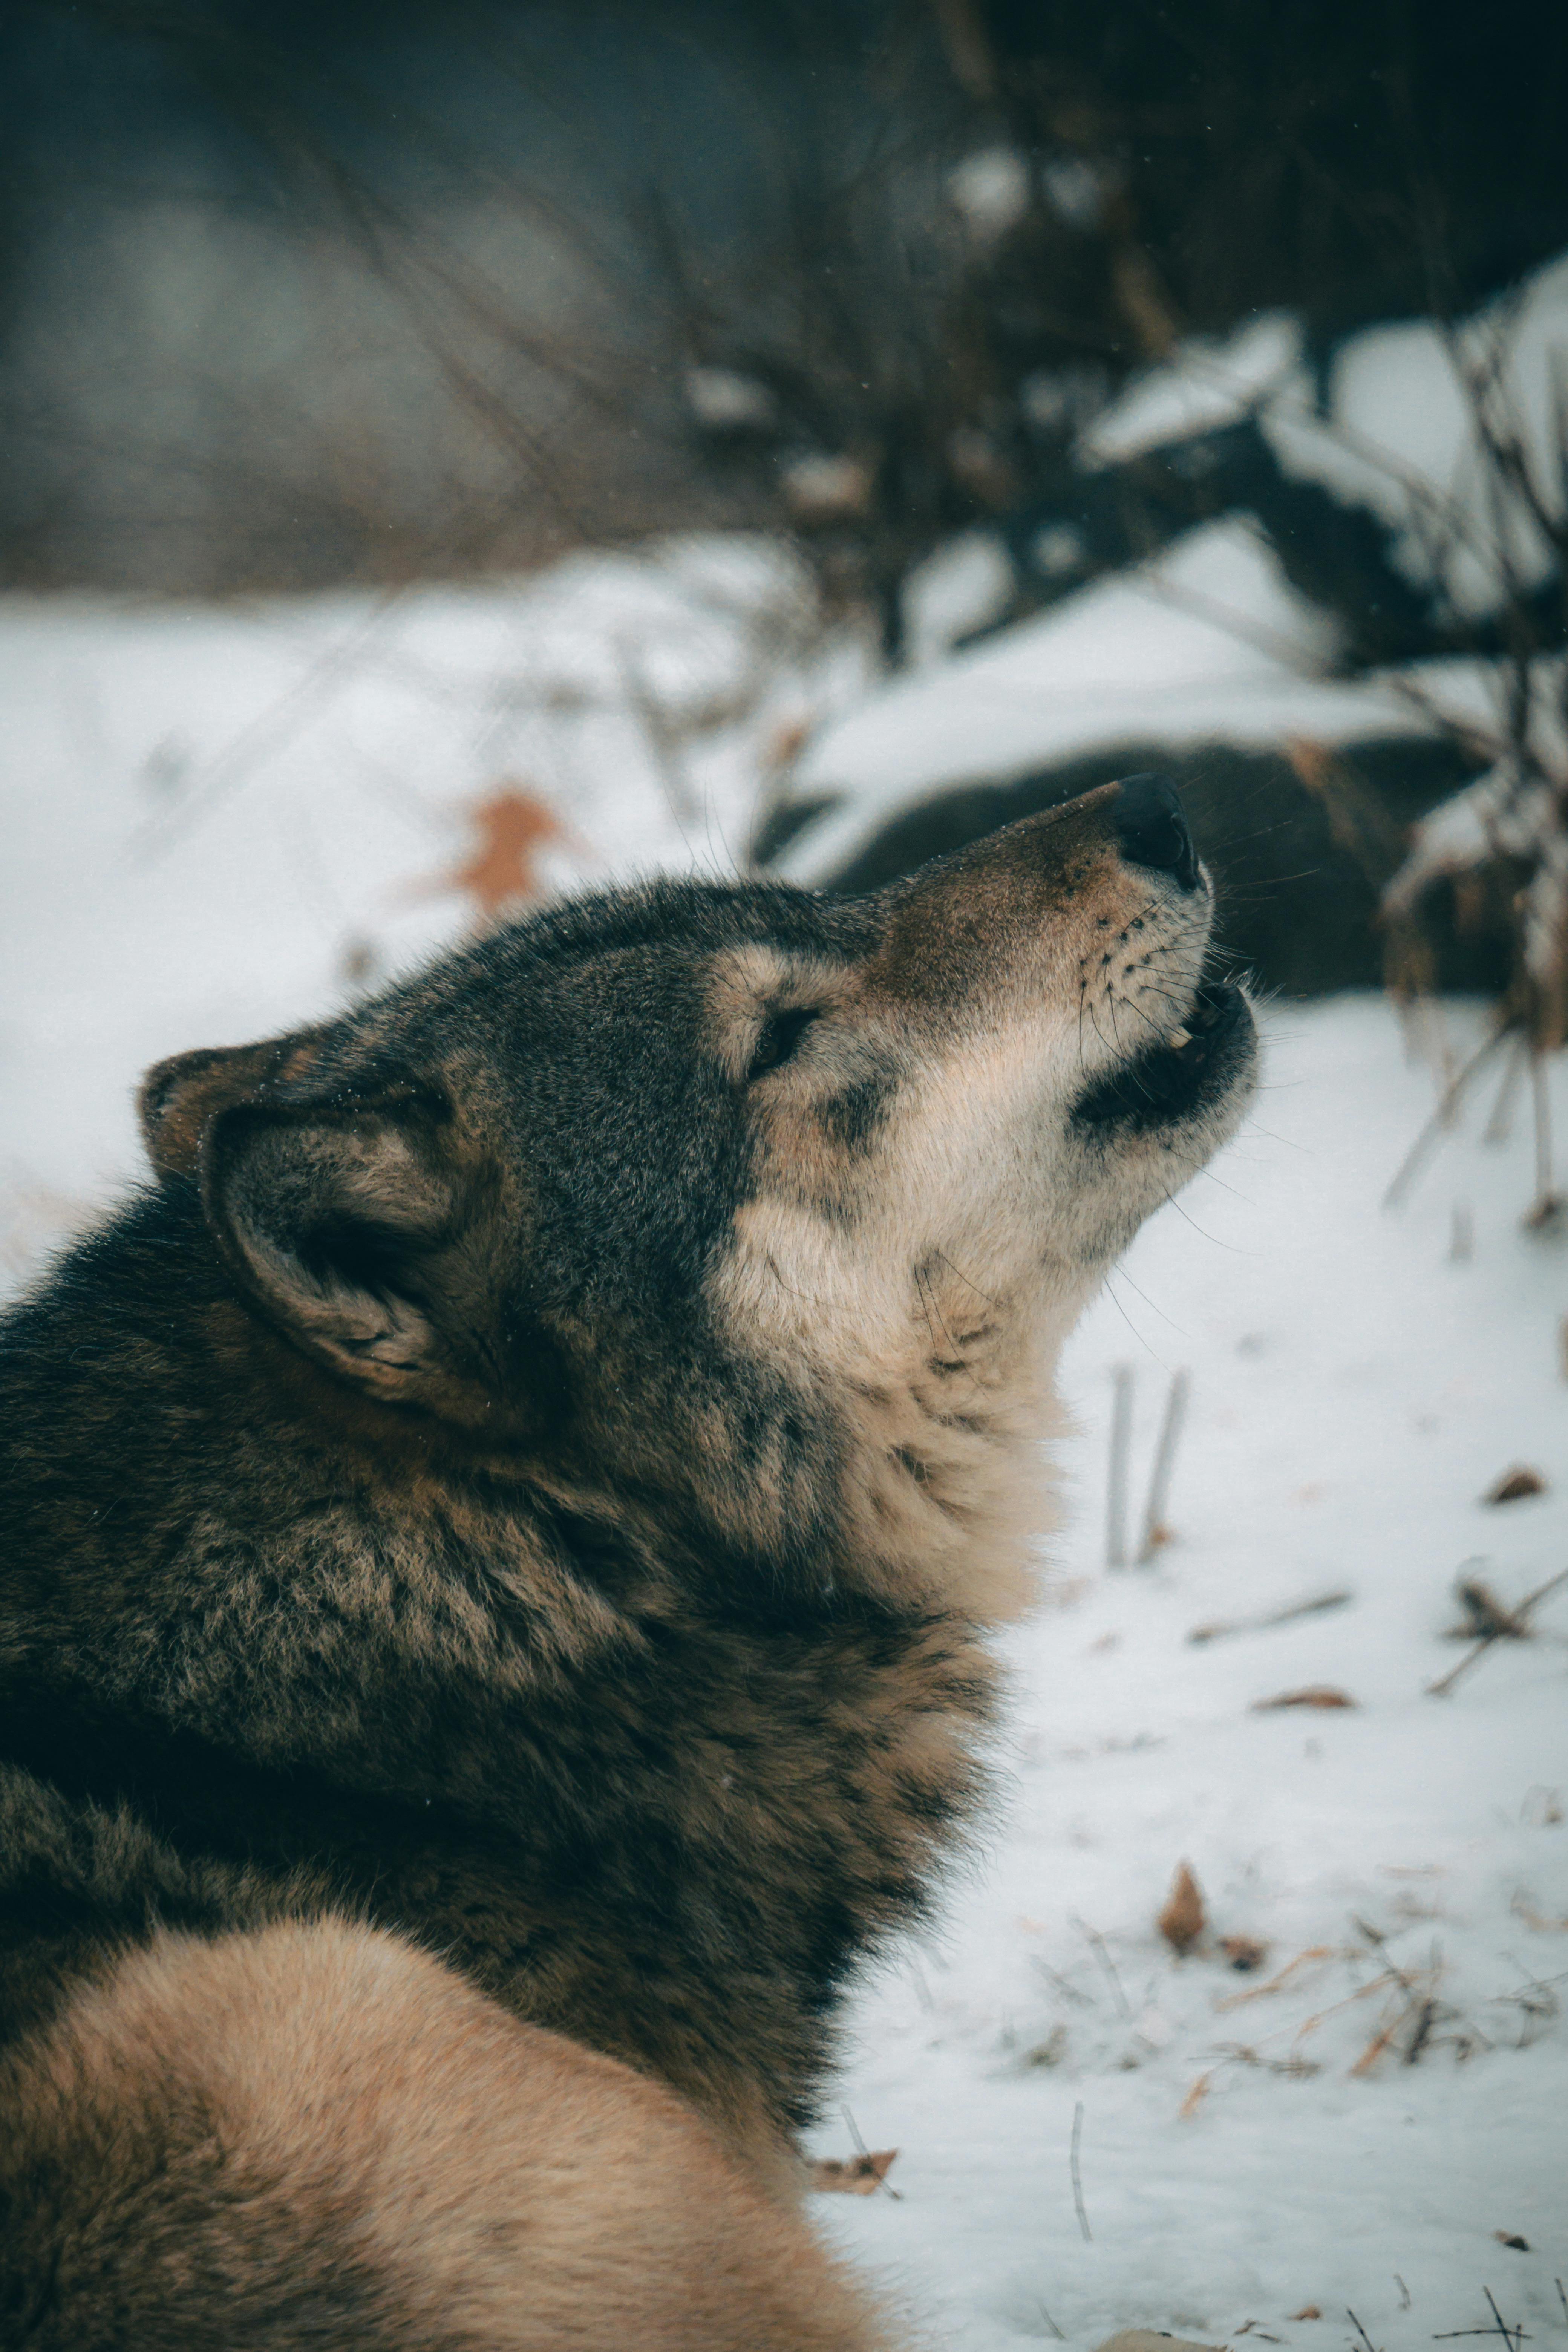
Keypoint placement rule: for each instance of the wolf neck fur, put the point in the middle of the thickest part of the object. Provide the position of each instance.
(539, 1678)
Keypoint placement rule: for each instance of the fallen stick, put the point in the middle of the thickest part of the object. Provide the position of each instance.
(1222, 1627)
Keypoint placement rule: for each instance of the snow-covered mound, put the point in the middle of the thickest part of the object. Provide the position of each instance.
(1208, 645)
(1206, 642)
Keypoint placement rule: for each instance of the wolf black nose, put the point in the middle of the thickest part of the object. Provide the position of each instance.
(1152, 828)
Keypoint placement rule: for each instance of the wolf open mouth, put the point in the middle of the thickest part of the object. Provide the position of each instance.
(1173, 1077)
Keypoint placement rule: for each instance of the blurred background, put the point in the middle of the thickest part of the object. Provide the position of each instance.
(458, 451)
(979, 398)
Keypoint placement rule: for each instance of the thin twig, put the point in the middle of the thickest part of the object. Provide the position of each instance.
(1121, 1442)
(1076, 2176)
(1545, 1198)
(1097, 1946)
(1315, 1607)
(1360, 2329)
(1436, 1125)
(1499, 1126)
(1164, 1463)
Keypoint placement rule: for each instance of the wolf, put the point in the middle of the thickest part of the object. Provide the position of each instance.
(500, 1538)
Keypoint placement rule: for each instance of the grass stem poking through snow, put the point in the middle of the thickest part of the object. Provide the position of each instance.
(1121, 1444)
(1437, 1124)
(1546, 1202)
(1500, 1125)
(1098, 1946)
(1077, 2174)
(1154, 1530)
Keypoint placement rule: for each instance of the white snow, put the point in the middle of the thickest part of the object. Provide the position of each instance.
(1399, 434)
(1205, 384)
(201, 807)
(991, 191)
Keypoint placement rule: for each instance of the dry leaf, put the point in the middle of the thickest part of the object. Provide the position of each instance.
(1511, 2237)
(1182, 1921)
(787, 742)
(513, 825)
(1322, 1694)
(1049, 2052)
(1515, 1484)
(1243, 1952)
(1486, 1617)
(1308, 2311)
(856, 2176)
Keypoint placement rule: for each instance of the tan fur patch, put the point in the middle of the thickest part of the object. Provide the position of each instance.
(320, 2119)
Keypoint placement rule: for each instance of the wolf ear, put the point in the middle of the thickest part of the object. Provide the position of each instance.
(179, 1098)
(343, 1224)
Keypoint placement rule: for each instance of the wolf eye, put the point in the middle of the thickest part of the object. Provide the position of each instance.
(781, 1034)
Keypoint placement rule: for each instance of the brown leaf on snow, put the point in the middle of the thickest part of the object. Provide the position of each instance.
(1487, 1619)
(856, 2176)
(1182, 1920)
(1515, 1484)
(1243, 1952)
(511, 827)
(1322, 1694)
(1309, 2311)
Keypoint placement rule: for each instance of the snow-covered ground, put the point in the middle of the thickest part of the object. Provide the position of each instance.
(213, 821)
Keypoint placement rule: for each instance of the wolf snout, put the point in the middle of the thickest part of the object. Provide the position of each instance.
(1152, 828)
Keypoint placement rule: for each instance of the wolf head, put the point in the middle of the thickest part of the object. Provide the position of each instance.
(767, 1212)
